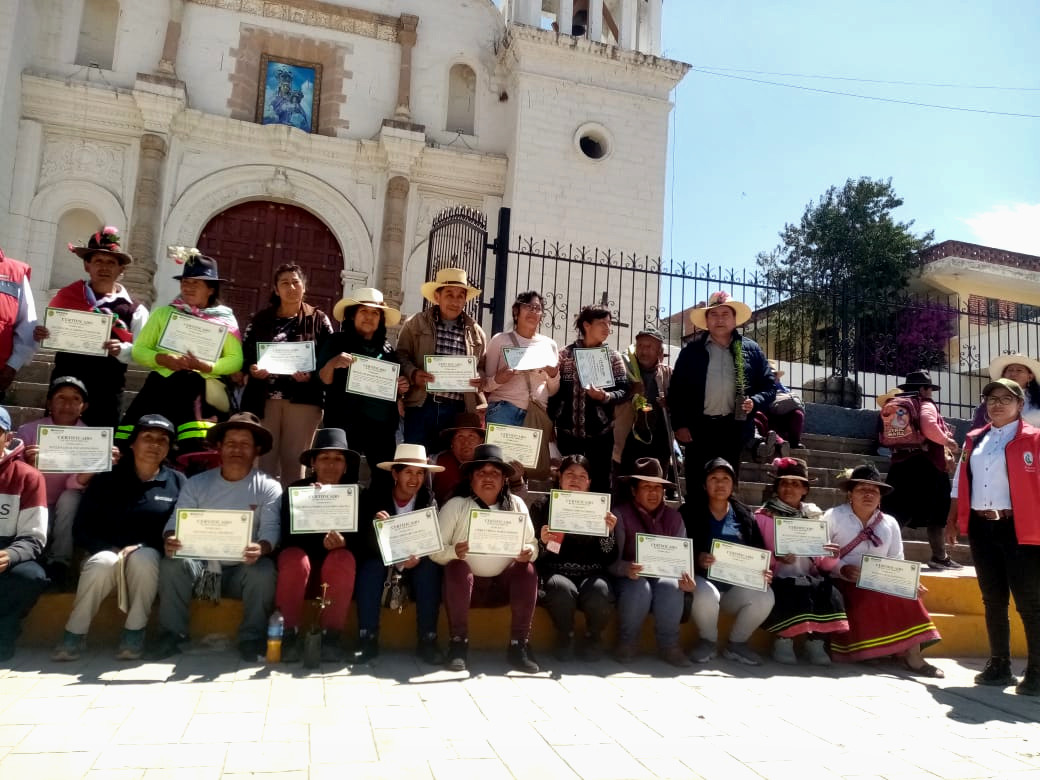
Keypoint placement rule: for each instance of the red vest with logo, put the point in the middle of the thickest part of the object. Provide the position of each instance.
(12, 274)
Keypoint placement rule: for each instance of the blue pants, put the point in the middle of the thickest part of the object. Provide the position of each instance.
(505, 413)
(638, 598)
(424, 587)
(20, 586)
(423, 424)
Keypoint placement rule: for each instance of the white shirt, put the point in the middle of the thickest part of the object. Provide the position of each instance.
(844, 527)
(989, 477)
(454, 519)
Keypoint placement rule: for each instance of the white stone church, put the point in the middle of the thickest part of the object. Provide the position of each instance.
(325, 132)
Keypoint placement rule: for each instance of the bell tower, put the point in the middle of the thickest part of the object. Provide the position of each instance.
(589, 100)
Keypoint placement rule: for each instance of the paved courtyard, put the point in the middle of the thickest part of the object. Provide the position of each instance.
(207, 716)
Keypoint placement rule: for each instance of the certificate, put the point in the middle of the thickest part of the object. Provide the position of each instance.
(374, 378)
(593, 366)
(574, 512)
(74, 449)
(214, 534)
(452, 373)
(738, 564)
(893, 576)
(82, 332)
(318, 510)
(285, 357)
(664, 556)
(413, 533)
(801, 536)
(496, 533)
(184, 333)
(527, 358)
(519, 444)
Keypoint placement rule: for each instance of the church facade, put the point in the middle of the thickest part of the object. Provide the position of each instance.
(325, 133)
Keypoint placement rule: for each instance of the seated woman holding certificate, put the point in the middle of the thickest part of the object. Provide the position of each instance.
(499, 569)
(639, 591)
(573, 567)
(288, 403)
(307, 559)
(409, 493)
(184, 387)
(718, 520)
(370, 416)
(807, 603)
(880, 624)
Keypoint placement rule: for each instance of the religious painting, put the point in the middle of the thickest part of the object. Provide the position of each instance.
(289, 93)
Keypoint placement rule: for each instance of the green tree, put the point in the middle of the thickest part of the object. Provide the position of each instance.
(836, 273)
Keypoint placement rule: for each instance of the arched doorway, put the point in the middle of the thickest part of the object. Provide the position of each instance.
(251, 239)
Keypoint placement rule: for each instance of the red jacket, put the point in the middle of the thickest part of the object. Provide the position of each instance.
(12, 274)
(1022, 457)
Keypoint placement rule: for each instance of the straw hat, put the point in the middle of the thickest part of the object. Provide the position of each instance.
(891, 393)
(448, 277)
(367, 296)
(699, 316)
(1001, 362)
(410, 455)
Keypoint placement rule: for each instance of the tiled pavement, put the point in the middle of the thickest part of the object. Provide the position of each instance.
(210, 716)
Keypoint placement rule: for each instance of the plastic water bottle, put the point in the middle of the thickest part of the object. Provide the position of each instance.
(275, 631)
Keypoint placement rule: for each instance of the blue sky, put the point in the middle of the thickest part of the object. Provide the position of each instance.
(748, 157)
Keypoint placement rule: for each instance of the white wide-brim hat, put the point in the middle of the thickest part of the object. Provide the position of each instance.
(449, 277)
(410, 455)
(699, 316)
(1000, 362)
(367, 296)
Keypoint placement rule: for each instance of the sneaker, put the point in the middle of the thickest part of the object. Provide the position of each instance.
(131, 645)
(997, 673)
(783, 651)
(458, 649)
(591, 649)
(332, 647)
(816, 649)
(564, 650)
(703, 651)
(626, 652)
(798, 446)
(168, 644)
(521, 658)
(252, 651)
(674, 656)
(783, 449)
(291, 646)
(70, 648)
(946, 563)
(367, 648)
(761, 451)
(428, 650)
(742, 654)
(1030, 685)
(58, 574)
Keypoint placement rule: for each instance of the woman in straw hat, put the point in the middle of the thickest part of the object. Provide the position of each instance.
(807, 603)
(372, 422)
(1021, 369)
(409, 492)
(104, 375)
(289, 405)
(879, 624)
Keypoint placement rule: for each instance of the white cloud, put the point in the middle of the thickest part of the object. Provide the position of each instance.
(1015, 227)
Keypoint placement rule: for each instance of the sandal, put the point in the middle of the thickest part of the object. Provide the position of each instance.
(925, 670)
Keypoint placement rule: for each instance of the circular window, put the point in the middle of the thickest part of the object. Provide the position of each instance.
(593, 141)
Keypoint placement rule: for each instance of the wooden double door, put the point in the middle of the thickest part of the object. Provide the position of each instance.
(252, 239)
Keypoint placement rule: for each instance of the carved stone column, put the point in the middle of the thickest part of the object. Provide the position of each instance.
(144, 227)
(391, 248)
(406, 37)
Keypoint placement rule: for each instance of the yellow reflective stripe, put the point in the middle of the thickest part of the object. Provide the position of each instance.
(883, 640)
(195, 425)
(124, 431)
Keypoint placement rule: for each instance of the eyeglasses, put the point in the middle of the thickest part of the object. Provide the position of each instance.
(534, 308)
(999, 400)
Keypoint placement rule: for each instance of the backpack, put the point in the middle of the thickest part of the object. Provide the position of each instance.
(901, 423)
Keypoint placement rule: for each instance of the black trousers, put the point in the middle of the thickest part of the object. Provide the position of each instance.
(713, 437)
(1004, 568)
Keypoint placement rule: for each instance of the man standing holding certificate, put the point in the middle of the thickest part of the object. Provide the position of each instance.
(103, 374)
(246, 572)
(443, 329)
(472, 580)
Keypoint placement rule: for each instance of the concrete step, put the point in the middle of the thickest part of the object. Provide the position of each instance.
(757, 493)
(916, 550)
(23, 414)
(38, 371)
(817, 441)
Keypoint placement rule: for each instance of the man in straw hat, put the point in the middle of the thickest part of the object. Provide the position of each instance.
(720, 379)
(236, 485)
(17, 319)
(487, 580)
(442, 329)
(101, 293)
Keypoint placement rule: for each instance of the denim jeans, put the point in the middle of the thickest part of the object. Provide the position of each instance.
(505, 413)
(638, 598)
(1004, 567)
(21, 585)
(424, 588)
(423, 424)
